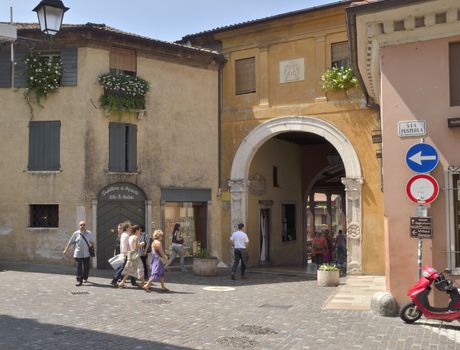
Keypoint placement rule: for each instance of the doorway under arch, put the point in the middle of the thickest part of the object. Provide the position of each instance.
(352, 181)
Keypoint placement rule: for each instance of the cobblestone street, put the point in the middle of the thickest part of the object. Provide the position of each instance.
(42, 309)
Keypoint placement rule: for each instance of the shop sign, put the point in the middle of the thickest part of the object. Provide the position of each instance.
(121, 192)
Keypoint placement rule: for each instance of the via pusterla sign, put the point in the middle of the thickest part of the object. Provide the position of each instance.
(121, 192)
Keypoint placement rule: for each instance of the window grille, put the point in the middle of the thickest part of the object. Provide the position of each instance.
(44, 215)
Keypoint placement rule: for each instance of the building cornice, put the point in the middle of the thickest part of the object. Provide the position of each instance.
(371, 30)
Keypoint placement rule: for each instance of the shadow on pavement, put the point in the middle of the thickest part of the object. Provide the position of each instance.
(23, 333)
(436, 324)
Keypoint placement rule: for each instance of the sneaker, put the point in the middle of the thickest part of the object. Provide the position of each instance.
(78, 284)
(233, 276)
(114, 284)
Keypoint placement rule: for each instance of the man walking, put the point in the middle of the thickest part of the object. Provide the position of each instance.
(240, 241)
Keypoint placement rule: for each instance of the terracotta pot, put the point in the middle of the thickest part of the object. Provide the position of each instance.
(205, 267)
(328, 278)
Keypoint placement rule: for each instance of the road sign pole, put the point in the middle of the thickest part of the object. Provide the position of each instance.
(419, 258)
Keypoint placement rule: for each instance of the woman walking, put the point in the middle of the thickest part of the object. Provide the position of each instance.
(145, 247)
(177, 247)
(158, 258)
(133, 265)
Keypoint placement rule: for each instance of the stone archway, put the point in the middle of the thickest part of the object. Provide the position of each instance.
(353, 180)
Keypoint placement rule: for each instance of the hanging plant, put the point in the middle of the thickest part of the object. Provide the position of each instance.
(339, 78)
(123, 92)
(43, 75)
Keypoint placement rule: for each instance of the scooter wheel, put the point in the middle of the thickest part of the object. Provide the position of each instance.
(409, 313)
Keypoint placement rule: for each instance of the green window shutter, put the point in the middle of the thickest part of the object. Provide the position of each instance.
(5, 67)
(131, 148)
(117, 147)
(20, 67)
(69, 58)
(44, 145)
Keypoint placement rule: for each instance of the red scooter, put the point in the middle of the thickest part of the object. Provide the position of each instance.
(420, 305)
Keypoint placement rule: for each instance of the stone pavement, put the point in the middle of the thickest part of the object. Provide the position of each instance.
(41, 308)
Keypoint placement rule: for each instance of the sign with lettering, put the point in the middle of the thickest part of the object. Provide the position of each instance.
(121, 192)
(411, 128)
(421, 227)
(292, 70)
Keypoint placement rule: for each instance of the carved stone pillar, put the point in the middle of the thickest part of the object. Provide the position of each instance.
(354, 224)
(238, 202)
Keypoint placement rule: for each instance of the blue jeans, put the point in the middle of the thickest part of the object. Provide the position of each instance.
(177, 249)
(82, 269)
(240, 254)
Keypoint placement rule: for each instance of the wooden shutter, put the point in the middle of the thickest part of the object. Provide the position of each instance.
(122, 59)
(454, 73)
(117, 147)
(20, 68)
(245, 76)
(5, 66)
(340, 54)
(44, 145)
(69, 58)
(131, 148)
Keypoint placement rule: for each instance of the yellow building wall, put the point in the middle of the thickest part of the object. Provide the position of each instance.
(287, 157)
(308, 36)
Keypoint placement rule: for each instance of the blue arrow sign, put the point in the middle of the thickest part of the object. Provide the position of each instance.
(422, 158)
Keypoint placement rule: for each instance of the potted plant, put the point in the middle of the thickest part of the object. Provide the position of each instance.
(339, 79)
(123, 92)
(204, 264)
(328, 276)
(43, 76)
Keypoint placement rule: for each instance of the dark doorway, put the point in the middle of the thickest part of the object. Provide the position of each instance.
(115, 204)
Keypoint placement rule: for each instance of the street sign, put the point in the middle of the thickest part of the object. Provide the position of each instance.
(411, 128)
(422, 189)
(422, 158)
(421, 227)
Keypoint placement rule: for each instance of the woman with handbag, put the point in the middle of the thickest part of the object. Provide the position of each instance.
(159, 259)
(177, 247)
(84, 248)
(145, 247)
(133, 265)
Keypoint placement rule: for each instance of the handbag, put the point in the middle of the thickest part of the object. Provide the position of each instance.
(116, 261)
(90, 247)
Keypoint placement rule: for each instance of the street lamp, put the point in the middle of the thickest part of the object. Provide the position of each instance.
(50, 14)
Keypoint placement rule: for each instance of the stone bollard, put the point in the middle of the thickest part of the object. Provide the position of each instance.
(383, 304)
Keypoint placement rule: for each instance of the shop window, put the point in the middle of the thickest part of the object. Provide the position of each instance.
(192, 217)
(44, 145)
(44, 215)
(288, 220)
(122, 147)
(340, 54)
(123, 61)
(454, 73)
(245, 76)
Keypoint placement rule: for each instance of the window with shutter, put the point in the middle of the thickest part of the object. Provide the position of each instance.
(44, 145)
(340, 54)
(454, 73)
(122, 147)
(245, 76)
(123, 61)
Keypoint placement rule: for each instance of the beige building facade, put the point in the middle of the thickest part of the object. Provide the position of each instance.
(169, 166)
(283, 140)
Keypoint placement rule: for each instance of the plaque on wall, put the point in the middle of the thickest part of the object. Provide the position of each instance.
(257, 184)
(292, 70)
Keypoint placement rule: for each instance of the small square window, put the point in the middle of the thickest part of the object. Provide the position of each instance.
(44, 215)
(123, 61)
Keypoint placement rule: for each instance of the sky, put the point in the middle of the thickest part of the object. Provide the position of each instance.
(164, 20)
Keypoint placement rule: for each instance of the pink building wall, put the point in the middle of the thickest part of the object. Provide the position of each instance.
(415, 85)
